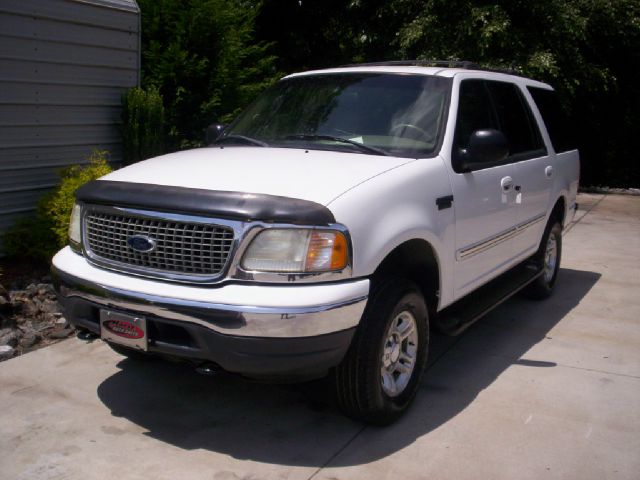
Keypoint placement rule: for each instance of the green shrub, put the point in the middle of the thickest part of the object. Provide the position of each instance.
(142, 124)
(31, 237)
(39, 236)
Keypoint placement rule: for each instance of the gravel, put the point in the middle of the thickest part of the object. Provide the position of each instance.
(30, 318)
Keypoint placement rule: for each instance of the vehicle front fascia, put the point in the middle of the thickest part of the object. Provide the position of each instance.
(244, 233)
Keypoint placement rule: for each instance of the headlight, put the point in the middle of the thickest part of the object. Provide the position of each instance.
(296, 250)
(74, 225)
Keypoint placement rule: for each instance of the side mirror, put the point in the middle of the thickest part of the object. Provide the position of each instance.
(213, 132)
(485, 146)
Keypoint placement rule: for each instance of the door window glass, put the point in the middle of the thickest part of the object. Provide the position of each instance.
(515, 118)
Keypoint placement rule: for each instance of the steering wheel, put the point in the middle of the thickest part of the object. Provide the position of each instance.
(424, 136)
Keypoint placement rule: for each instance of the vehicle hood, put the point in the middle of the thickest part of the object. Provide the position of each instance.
(315, 175)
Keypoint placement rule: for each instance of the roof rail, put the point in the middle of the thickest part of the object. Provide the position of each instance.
(465, 64)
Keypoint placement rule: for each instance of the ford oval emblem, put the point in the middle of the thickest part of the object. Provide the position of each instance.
(141, 243)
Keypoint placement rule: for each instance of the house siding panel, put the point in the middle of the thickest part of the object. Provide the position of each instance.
(64, 65)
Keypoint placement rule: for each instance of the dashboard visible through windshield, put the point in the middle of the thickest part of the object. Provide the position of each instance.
(394, 114)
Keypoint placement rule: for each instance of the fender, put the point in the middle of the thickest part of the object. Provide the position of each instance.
(379, 224)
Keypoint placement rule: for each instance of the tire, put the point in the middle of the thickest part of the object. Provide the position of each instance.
(548, 260)
(129, 352)
(363, 391)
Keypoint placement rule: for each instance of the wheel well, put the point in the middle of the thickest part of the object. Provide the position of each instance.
(416, 261)
(558, 212)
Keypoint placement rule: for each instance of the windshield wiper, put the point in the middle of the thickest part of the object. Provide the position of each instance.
(364, 148)
(252, 141)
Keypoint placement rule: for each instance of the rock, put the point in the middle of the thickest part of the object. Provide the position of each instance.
(50, 306)
(6, 352)
(31, 290)
(28, 340)
(29, 309)
(62, 333)
(9, 337)
(28, 315)
(50, 318)
(26, 326)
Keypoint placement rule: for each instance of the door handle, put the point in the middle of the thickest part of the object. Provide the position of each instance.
(506, 183)
(548, 171)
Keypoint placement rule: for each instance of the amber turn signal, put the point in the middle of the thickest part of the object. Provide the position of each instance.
(327, 250)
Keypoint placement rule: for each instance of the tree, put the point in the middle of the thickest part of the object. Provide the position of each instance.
(202, 56)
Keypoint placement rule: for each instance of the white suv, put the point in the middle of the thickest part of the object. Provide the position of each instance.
(337, 219)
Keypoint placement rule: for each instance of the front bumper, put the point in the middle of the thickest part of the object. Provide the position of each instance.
(294, 332)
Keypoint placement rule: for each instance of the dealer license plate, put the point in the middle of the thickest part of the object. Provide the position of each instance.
(127, 330)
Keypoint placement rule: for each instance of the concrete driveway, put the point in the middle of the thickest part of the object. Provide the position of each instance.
(534, 390)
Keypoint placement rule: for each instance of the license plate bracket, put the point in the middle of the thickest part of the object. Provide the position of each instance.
(124, 329)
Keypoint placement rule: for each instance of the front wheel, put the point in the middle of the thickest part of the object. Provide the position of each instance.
(380, 375)
(547, 260)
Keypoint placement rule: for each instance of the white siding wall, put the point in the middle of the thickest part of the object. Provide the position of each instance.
(64, 65)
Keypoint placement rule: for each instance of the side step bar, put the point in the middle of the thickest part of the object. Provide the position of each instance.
(459, 316)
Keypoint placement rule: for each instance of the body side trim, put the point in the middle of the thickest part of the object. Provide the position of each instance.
(491, 242)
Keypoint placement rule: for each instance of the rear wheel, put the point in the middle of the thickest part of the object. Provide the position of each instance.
(547, 259)
(380, 375)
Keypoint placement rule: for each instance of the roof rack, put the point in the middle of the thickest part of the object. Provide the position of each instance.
(465, 64)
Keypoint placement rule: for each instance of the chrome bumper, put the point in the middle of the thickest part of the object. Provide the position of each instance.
(248, 321)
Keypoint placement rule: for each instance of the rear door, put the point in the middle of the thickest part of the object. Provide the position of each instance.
(533, 174)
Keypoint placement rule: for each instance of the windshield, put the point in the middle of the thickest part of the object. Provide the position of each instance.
(373, 113)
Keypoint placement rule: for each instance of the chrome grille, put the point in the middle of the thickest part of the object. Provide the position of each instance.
(181, 248)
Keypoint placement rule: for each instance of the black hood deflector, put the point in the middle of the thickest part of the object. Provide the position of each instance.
(194, 201)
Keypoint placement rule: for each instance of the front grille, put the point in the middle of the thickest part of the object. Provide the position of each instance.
(181, 248)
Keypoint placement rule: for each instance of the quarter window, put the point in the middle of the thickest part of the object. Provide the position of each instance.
(559, 126)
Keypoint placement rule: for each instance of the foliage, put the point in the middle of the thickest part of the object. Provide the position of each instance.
(587, 49)
(39, 236)
(142, 124)
(203, 57)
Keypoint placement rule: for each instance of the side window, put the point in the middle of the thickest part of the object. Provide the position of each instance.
(558, 124)
(515, 118)
(474, 113)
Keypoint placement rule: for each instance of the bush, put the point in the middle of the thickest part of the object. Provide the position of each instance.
(142, 124)
(39, 236)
